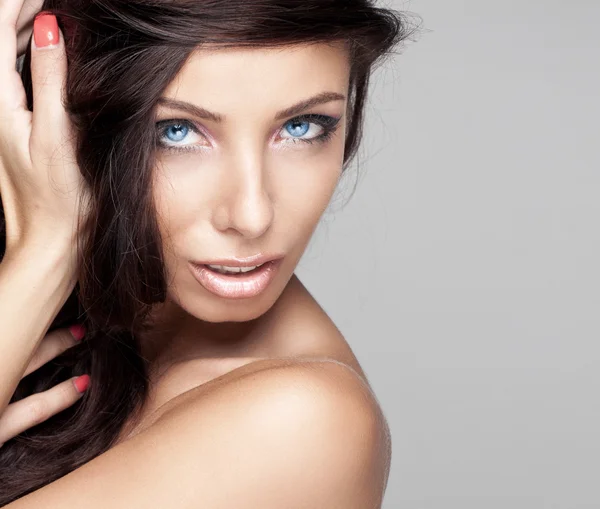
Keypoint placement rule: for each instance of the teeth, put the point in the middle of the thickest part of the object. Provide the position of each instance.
(223, 269)
(248, 269)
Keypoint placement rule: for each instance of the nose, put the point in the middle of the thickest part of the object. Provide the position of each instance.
(245, 204)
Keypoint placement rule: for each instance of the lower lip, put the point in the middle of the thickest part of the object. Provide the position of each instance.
(242, 286)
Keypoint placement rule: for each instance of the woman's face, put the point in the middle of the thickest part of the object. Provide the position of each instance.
(242, 173)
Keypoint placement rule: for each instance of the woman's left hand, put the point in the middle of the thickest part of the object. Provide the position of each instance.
(25, 23)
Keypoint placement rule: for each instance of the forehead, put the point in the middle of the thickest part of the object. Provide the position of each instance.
(222, 79)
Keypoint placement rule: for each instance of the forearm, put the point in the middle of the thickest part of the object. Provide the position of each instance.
(34, 285)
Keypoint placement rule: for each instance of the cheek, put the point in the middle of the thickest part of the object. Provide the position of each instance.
(300, 182)
(182, 191)
(176, 208)
(163, 202)
(306, 186)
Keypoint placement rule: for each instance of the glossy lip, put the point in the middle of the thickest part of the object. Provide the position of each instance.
(240, 286)
(250, 261)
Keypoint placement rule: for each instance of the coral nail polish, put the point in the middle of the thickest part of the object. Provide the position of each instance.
(82, 382)
(45, 30)
(78, 331)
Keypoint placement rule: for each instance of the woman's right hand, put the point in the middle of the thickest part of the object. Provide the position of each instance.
(35, 409)
(40, 182)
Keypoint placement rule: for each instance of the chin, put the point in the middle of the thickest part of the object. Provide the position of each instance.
(232, 315)
(218, 310)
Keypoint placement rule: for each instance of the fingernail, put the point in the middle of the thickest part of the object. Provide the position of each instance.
(45, 30)
(82, 382)
(78, 331)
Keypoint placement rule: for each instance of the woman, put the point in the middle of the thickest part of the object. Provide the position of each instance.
(157, 201)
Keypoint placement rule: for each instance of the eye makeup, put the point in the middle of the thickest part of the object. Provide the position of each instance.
(327, 123)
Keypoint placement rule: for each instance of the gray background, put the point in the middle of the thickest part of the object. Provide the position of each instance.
(464, 270)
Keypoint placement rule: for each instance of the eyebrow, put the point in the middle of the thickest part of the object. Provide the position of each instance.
(197, 111)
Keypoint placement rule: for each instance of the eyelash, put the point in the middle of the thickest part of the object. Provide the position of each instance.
(327, 123)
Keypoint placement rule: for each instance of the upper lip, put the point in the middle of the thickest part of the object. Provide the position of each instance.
(250, 261)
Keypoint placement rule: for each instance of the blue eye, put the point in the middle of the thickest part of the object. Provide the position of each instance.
(171, 133)
(299, 128)
(177, 132)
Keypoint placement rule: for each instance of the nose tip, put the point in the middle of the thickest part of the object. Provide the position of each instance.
(253, 215)
(249, 212)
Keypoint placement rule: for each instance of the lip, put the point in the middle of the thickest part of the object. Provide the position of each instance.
(250, 261)
(240, 286)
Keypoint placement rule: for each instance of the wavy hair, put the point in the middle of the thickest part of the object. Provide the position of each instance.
(122, 56)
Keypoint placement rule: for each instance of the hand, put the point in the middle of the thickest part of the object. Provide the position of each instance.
(24, 25)
(34, 409)
(40, 182)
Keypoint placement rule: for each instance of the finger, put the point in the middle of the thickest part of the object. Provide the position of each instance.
(48, 75)
(24, 25)
(51, 346)
(9, 13)
(37, 408)
(14, 115)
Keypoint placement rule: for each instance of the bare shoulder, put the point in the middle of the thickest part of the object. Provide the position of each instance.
(306, 381)
(295, 433)
(276, 433)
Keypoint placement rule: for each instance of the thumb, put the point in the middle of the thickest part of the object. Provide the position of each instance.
(48, 75)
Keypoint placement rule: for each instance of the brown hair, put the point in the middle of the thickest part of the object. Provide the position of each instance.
(122, 55)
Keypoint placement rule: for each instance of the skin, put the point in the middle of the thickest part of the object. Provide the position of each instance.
(251, 188)
(265, 389)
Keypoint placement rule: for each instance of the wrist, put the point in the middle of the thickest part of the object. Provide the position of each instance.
(47, 254)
